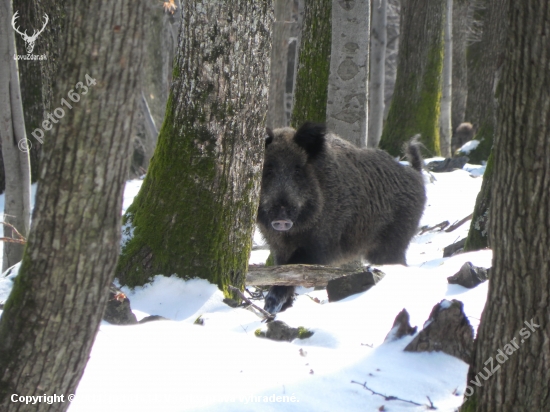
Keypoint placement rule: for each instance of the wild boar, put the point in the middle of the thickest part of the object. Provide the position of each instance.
(325, 201)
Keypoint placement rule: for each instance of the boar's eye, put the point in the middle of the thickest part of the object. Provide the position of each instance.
(297, 171)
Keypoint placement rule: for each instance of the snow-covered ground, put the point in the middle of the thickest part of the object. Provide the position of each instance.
(176, 365)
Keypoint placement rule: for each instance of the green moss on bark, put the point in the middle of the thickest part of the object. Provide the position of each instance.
(170, 233)
(416, 110)
(470, 405)
(310, 94)
(479, 227)
(195, 213)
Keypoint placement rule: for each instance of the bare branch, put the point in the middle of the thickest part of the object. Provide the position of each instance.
(439, 226)
(395, 398)
(266, 314)
(459, 223)
(11, 240)
(20, 238)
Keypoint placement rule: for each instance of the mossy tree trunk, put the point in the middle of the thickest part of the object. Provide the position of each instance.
(161, 38)
(195, 213)
(53, 312)
(416, 99)
(518, 301)
(310, 93)
(478, 234)
(485, 58)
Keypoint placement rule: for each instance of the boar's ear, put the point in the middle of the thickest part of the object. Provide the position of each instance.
(311, 137)
(269, 136)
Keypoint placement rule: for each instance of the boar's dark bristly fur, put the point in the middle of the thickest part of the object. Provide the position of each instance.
(324, 201)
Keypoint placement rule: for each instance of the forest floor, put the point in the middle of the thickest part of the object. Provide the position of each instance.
(175, 365)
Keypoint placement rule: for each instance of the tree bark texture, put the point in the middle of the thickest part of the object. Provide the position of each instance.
(311, 88)
(478, 234)
(519, 290)
(484, 61)
(415, 104)
(284, 39)
(195, 213)
(296, 275)
(17, 203)
(29, 78)
(462, 15)
(161, 39)
(447, 87)
(347, 98)
(377, 72)
(53, 313)
(393, 17)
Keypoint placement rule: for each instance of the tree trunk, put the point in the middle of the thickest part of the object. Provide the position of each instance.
(515, 319)
(30, 78)
(416, 99)
(447, 88)
(347, 98)
(461, 26)
(52, 315)
(484, 59)
(479, 227)
(285, 31)
(195, 213)
(17, 203)
(393, 17)
(377, 72)
(310, 92)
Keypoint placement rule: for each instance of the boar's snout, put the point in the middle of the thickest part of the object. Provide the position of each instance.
(282, 225)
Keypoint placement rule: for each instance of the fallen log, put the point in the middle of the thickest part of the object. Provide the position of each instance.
(295, 275)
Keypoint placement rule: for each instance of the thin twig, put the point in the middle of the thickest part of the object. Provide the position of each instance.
(459, 223)
(395, 398)
(21, 237)
(439, 226)
(268, 315)
(255, 295)
(11, 240)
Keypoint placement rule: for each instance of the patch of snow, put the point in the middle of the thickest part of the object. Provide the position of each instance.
(6, 281)
(469, 146)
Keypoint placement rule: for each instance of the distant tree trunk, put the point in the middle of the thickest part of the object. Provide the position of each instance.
(53, 313)
(461, 25)
(17, 203)
(447, 88)
(283, 55)
(478, 233)
(310, 92)
(30, 78)
(518, 302)
(195, 213)
(161, 39)
(377, 72)
(347, 98)
(484, 60)
(393, 17)
(416, 100)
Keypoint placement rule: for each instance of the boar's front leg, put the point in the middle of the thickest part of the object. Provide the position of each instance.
(280, 298)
